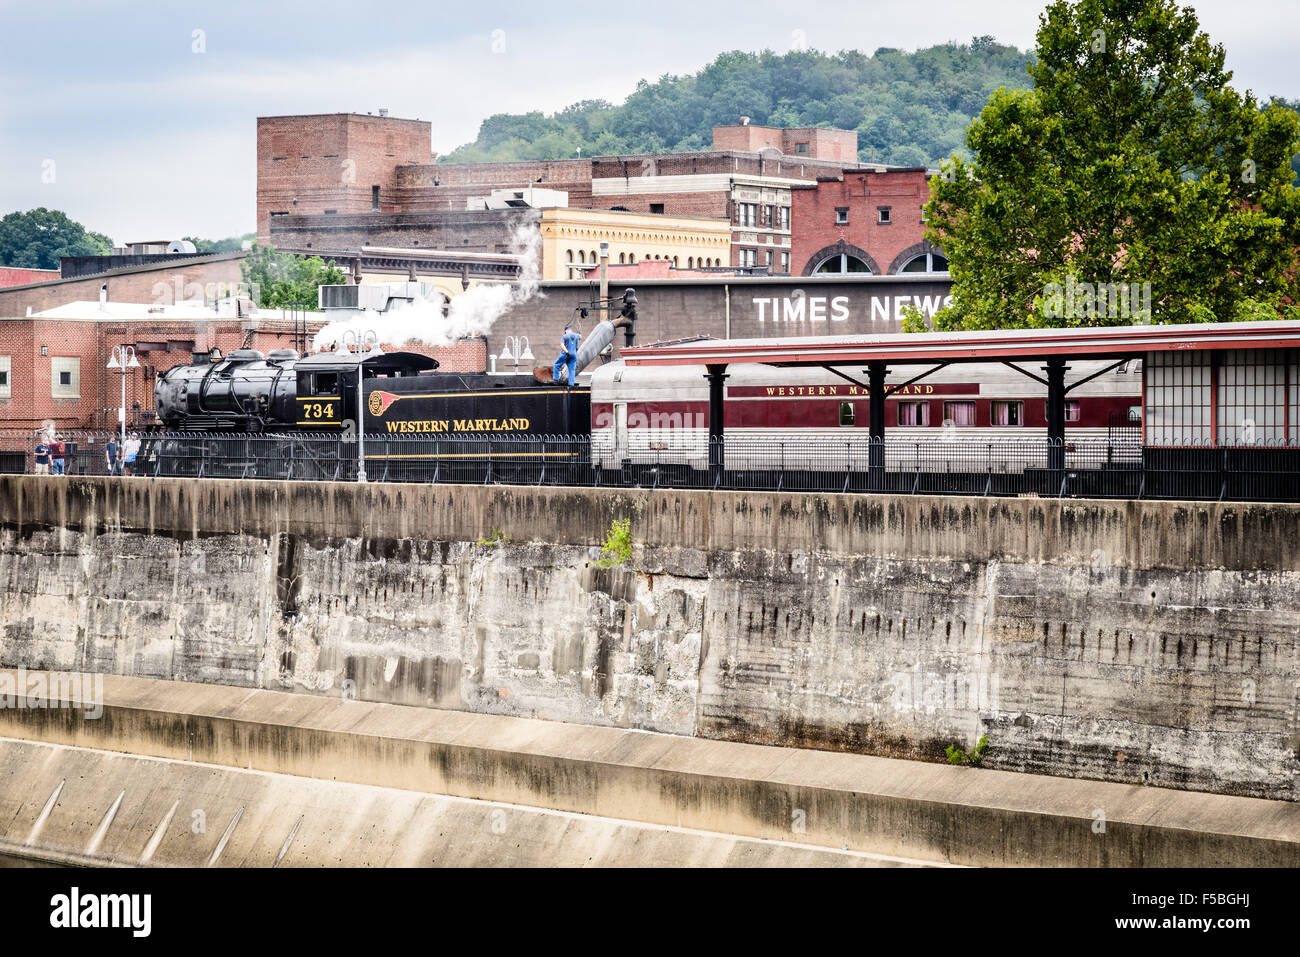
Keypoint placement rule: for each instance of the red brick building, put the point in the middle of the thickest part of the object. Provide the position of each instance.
(53, 367)
(333, 163)
(837, 146)
(159, 283)
(863, 220)
(746, 179)
(17, 276)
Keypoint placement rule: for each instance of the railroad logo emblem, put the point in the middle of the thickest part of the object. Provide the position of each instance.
(380, 401)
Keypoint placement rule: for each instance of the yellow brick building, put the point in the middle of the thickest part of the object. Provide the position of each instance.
(571, 240)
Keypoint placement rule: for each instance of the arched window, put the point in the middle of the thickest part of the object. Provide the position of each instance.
(631, 259)
(690, 262)
(841, 262)
(570, 255)
(674, 262)
(622, 259)
(582, 255)
(926, 262)
(594, 257)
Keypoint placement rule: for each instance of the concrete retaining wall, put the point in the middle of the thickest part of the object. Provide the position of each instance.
(1149, 643)
(901, 810)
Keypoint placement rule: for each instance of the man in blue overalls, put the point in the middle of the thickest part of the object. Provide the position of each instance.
(569, 357)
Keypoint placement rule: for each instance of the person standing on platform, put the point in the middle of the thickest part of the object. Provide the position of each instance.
(111, 455)
(129, 451)
(569, 357)
(56, 456)
(42, 457)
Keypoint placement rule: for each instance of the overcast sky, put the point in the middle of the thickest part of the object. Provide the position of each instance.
(146, 138)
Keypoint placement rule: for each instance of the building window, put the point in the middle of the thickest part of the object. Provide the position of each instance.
(842, 262)
(593, 258)
(926, 262)
(882, 215)
(656, 207)
(273, 215)
(622, 259)
(961, 414)
(841, 215)
(374, 197)
(785, 218)
(65, 377)
(631, 259)
(785, 262)
(5, 392)
(569, 255)
(914, 413)
(846, 413)
(1006, 413)
(331, 212)
(800, 149)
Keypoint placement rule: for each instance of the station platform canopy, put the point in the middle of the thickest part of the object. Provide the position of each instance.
(1203, 383)
(984, 346)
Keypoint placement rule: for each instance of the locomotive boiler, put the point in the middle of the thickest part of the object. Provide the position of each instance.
(401, 393)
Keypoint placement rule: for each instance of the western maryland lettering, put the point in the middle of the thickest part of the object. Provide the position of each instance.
(847, 390)
(458, 425)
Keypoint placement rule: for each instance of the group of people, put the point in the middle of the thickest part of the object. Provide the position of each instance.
(122, 460)
(119, 456)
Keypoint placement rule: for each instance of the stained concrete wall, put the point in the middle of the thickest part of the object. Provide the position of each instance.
(1148, 643)
(93, 783)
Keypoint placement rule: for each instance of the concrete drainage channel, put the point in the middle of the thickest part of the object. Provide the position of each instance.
(176, 773)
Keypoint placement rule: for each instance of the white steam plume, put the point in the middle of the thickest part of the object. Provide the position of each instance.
(472, 313)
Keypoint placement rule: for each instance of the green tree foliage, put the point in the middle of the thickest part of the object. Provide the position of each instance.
(285, 279)
(37, 239)
(1131, 161)
(908, 108)
(231, 244)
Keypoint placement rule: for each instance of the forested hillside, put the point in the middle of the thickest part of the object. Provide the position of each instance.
(908, 108)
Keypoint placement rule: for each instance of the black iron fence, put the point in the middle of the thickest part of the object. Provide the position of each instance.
(1116, 466)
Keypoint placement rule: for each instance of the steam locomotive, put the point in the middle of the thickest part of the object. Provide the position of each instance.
(222, 417)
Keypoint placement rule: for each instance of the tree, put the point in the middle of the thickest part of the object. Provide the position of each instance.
(231, 244)
(938, 90)
(1131, 174)
(38, 238)
(285, 279)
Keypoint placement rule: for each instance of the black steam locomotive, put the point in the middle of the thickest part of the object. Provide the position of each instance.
(400, 393)
(228, 416)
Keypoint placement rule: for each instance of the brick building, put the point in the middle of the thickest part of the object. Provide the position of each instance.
(863, 220)
(838, 146)
(333, 163)
(53, 364)
(56, 360)
(18, 276)
(160, 283)
(745, 179)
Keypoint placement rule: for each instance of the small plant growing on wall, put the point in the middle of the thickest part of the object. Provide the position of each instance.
(495, 539)
(617, 549)
(972, 757)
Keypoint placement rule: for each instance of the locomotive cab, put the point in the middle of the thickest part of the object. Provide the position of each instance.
(327, 383)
